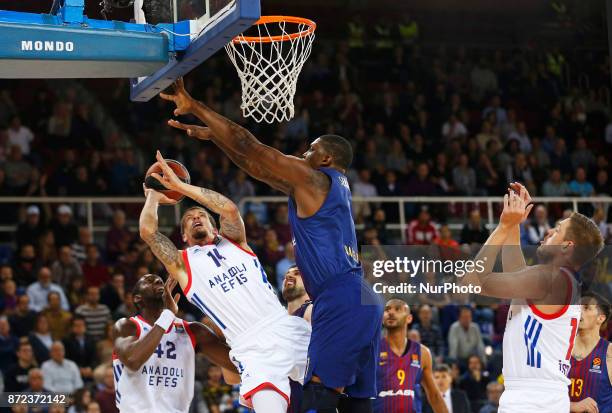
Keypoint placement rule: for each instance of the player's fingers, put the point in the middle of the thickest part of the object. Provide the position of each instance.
(166, 96)
(177, 297)
(159, 177)
(177, 124)
(528, 209)
(506, 201)
(179, 83)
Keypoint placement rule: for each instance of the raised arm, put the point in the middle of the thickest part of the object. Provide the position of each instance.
(160, 245)
(134, 350)
(529, 283)
(429, 385)
(232, 226)
(512, 254)
(288, 174)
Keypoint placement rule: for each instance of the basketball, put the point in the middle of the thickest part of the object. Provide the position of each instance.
(179, 170)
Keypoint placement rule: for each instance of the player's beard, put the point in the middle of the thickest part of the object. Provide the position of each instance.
(199, 234)
(545, 253)
(291, 293)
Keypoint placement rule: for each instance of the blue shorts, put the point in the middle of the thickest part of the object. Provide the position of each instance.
(346, 328)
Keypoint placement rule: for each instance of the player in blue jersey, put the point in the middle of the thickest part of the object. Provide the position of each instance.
(343, 350)
(591, 362)
(404, 367)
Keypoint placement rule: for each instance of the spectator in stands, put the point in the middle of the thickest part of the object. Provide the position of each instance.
(494, 392)
(66, 268)
(283, 265)
(474, 382)
(82, 398)
(17, 171)
(38, 292)
(113, 293)
(421, 183)
(30, 231)
(124, 172)
(79, 247)
(474, 231)
(456, 400)
(421, 231)
(65, 231)
(448, 247)
(59, 320)
(16, 376)
(538, 226)
(8, 299)
(273, 250)
(41, 339)
(559, 157)
(36, 382)
(19, 134)
(602, 185)
(26, 265)
(96, 315)
(521, 136)
(23, 319)
(431, 336)
(60, 374)
(464, 177)
(555, 185)
(600, 220)
(519, 171)
(464, 338)
(127, 307)
(582, 156)
(80, 348)
(579, 186)
(94, 270)
(496, 108)
(215, 388)
(75, 293)
(453, 128)
(363, 188)
(118, 237)
(240, 187)
(8, 345)
(47, 251)
(105, 396)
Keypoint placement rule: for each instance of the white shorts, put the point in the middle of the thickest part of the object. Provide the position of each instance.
(270, 353)
(534, 398)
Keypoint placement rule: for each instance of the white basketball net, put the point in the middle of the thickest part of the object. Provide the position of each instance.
(269, 70)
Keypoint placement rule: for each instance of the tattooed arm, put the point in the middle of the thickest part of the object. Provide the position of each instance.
(232, 226)
(289, 174)
(160, 245)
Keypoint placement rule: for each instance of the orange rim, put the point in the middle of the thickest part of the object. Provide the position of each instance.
(281, 38)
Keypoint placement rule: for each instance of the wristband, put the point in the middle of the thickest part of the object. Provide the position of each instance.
(165, 319)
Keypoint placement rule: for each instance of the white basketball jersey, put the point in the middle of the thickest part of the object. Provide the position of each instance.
(229, 285)
(539, 346)
(164, 383)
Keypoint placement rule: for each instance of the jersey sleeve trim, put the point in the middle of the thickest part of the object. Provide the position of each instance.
(238, 245)
(263, 386)
(132, 319)
(191, 335)
(188, 268)
(568, 297)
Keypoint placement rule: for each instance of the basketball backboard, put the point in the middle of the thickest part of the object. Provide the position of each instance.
(208, 25)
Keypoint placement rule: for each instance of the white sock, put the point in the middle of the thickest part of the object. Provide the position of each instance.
(269, 401)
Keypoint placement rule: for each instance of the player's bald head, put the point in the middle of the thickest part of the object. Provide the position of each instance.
(339, 149)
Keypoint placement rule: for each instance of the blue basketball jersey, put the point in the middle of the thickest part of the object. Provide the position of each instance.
(325, 243)
(590, 378)
(399, 379)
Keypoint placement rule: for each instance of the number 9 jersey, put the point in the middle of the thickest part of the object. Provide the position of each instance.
(164, 383)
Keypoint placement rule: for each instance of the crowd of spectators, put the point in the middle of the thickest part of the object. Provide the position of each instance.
(423, 121)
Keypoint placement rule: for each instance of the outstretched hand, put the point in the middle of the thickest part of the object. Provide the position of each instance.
(198, 132)
(158, 196)
(523, 193)
(183, 101)
(514, 210)
(170, 302)
(168, 177)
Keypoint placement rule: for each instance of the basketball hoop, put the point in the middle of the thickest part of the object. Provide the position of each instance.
(269, 64)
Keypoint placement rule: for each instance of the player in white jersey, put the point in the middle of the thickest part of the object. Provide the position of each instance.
(221, 275)
(154, 352)
(544, 312)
